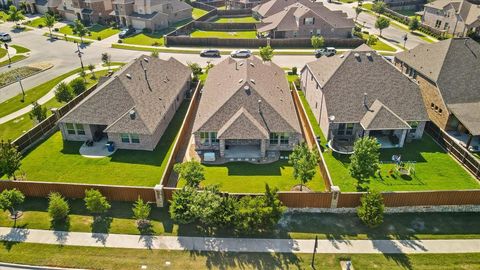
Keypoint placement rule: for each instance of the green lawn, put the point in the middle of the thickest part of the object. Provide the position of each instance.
(36, 22)
(3, 16)
(246, 19)
(127, 259)
(55, 160)
(197, 13)
(380, 45)
(221, 34)
(20, 49)
(153, 39)
(14, 59)
(96, 31)
(247, 177)
(3, 52)
(16, 127)
(434, 168)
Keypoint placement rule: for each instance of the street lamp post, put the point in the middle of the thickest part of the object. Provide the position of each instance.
(19, 80)
(405, 38)
(79, 53)
(9, 59)
(315, 246)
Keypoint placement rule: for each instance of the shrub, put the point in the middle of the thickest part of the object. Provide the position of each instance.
(141, 212)
(181, 206)
(95, 202)
(294, 71)
(63, 92)
(58, 207)
(78, 86)
(10, 159)
(120, 41)
(192, 171)
(99, 38)
(56, 29)
(40, 26)
(371, 209)
(156, 43)
(10, 199)
(147, 30)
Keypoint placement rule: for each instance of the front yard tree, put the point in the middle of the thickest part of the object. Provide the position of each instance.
(181, 205)
(58, 207)
(15, 15)
(78, 86)
(79, 29)
(192, 171)
(414, 24)
(371, 40)
(317, 42)
(358, 10)
(92, 68)
(155, 54)
(106, 60)
(304, 163)
(266, 53)
(196, 70)
(63, 92)
(95, 202)
(38, 112)
(379, 7)
(49, 21)
(10, 199)
(382, 23)
(141, 212)
(10, 159)
(364, 161)
(371, 208)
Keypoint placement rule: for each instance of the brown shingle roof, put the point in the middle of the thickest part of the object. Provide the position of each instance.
(146, 86)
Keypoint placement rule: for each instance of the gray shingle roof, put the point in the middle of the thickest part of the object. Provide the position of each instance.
(147, 85)
(468, 12)
(235, 127)
(468, 114)
(379, 117)
(345, 78)
(234, 88)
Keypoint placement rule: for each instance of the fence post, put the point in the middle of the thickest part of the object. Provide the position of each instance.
(335, 195)
(159, 195)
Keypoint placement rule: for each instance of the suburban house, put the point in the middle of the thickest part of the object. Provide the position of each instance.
(246, 110)
(150, 14)
(242, 4)
(88, 11)
(132, 108)
(456, 17)
(44, 6)
(361, 94)
(448, 73)
(301, 19)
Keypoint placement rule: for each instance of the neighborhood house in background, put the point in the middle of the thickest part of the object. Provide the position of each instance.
(301, 19)
(456, 17)
(246, 110)
(448, 73)
(362, 94)
(88, 11)
(133, 107)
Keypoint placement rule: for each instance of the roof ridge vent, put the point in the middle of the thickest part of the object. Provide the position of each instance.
(145, 59)
(252, 64)
(128, 75)
(252, 80)
(357, 55)
(368, 54)
(240, 81)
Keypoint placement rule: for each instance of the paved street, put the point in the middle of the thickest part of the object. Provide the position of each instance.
(238, 244)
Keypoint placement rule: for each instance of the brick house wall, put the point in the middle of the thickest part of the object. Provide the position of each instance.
(314, 96)
(449, 21)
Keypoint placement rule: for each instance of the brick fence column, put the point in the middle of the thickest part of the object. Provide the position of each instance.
(335, 195)
(159, 196)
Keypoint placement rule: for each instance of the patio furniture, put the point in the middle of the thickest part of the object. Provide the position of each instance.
(110, 146)
(209, 156)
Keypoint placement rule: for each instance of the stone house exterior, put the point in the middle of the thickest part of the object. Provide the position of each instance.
(151, 14)
(361, 94)
(246, 106)
(301, 19)
(132, 108)
(456, 17)
(88, 11)
(448, 73)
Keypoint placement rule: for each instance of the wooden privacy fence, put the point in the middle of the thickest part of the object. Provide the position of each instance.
(69, 190)
(451, 197)
(460, 153)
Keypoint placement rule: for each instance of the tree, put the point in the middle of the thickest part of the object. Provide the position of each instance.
(92, 68)
(196, 70)
(10, 199)
(49, 21)
(266, 53)
(15, 15)
(192, 171)
(379, 7)
(141, 212)
(304, 163)
(23, 6)
(95, 202)
(155, 54)
(10, 159)
(358, 10)
(106, 60)
(58, 207)
(78, 86)
(181, 205)
(382, 23)
(79, 29)
(209, 66)
(317, 42)
(63, 92)
(364, 161)
(38, 112)
(371, 208)
(414, 24)
(371, 40)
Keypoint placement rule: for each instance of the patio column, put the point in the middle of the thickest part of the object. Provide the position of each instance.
(402, 139)
(263, 147)
(222, 147)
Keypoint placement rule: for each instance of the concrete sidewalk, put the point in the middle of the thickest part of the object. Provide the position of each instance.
(238, 244)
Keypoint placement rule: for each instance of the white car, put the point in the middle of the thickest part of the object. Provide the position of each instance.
(5, 37)
(241, 54)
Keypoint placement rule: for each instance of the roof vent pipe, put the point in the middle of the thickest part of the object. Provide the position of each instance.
(365, 100)
(132, 114)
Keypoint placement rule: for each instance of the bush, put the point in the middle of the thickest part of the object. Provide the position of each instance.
(95, 202)
(147, 30)
(294, 71)
(40, 26)
(181, 206)
(371, 209)
(78, 86)
(141, 212)
(120, 41)
(58, 207)
(192, 171)
(156, 43)
(99, 38)
(56, 29)
(63, 92)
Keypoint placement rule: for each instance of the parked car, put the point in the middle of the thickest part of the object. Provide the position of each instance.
(5, 37)
(328, 51)
(241, 54)
(126, 32)
(210, 53)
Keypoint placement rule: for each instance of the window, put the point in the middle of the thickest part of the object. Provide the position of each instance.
(438, 23)
(311, 32)
(70, 129)
(432, 105)
(440, 111)
(135, 138)
(213, 138)
(309, 21)
(341, 129)
(125, 138)
(284, 138)
(436, 108)
(319, 32)
(445, 27)
(204, 137)
(349, 130)
(274, 138)
(414, 126)
(80, 129)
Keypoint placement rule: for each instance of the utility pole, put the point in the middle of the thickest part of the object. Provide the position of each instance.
(9, 59)
(79, 53)
(19, 80)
